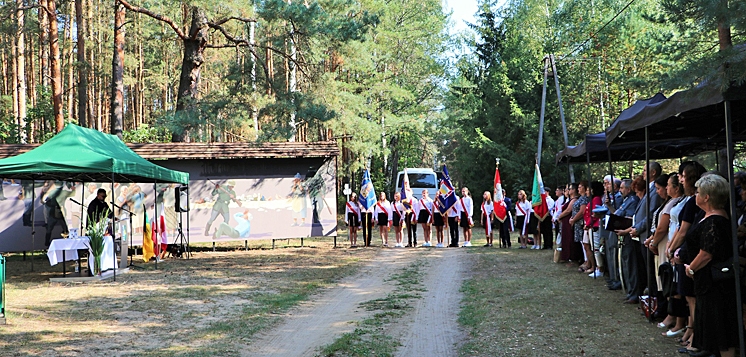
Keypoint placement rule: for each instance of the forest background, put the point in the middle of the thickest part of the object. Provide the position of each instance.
(382, 78)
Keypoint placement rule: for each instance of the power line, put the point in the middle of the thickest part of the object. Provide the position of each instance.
(600, 29)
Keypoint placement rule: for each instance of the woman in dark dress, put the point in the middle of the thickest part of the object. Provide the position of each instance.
(566, 230)
(715, 316)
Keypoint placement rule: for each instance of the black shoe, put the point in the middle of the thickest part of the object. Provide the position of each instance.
(487, 245)
(615, 286)
(700, 353)
(453, 245)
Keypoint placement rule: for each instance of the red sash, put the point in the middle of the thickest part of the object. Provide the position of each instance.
(401, 213)
(487, 220)
(428, 210)
(352, 208)
(382, 209)
(525, 218)
(463, 207)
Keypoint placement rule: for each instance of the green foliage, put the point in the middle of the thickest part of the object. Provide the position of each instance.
(146, 134)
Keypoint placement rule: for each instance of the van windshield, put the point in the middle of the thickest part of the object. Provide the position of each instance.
(419, 180)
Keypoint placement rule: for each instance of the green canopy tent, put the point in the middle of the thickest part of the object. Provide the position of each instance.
(79, 154)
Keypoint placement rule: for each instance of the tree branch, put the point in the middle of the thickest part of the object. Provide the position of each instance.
(158, 17)
(242, 19)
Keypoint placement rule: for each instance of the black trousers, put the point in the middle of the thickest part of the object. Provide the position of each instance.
(411, 229)
(545, 227)
(504, 229)
(367, 227)
(453, 230)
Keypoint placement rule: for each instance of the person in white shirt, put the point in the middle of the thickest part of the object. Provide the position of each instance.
(425, 216)
(398, 219)
(523, 213)
(545, 226)
(383, 215)
(467, 211)
(453, 214)
(488, 208)
(353, 218)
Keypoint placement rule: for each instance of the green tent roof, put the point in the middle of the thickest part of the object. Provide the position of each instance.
(86, 155)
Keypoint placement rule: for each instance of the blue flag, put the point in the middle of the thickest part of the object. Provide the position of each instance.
(446, 192)
(367, 192)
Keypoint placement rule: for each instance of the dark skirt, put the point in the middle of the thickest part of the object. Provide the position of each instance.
(353, 220)
(423, 216)
(530, 225)
(438, 220)
(383, 219)
(715, 317)
(464, 220)
(397, 219)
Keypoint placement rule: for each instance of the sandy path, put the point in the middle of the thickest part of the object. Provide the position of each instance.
(334, 312)
(432, 329)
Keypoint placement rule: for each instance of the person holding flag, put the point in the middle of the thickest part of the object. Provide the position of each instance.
(488, 208)
(466, 205)
(367, 201)
(502, 209)
(425, 216)
(438, 221)
(409, 203)
(447, 200)
(384, 216)
(352, 218)
(541, 210)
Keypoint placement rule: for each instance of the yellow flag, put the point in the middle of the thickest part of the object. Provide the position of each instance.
(147, 243)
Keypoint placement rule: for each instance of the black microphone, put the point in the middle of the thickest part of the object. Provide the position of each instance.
(72, 199)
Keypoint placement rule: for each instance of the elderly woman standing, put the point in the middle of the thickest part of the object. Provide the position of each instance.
(715, 321)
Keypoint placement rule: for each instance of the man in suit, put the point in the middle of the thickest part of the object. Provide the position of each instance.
(639, 233)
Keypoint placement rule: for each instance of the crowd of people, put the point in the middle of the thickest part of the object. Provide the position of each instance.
(659, 236)
(662, 237)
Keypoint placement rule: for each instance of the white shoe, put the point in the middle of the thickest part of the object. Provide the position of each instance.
(467, 244)
(597, 273)
(439, 245)
(427, 244)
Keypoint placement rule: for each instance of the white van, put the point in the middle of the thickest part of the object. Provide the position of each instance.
(420, 179)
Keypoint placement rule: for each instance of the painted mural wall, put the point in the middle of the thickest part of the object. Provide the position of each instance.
(237, 199)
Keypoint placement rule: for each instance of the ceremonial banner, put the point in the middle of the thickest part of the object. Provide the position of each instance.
(367, 192)
(407, 196)
(539, 197)
(447, 196)
(499, 200)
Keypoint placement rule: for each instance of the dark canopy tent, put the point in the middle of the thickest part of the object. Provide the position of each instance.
(706, 113)
(696, 114)
(593, 150)
(79, 154)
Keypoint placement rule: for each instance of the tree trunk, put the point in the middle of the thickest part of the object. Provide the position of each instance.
(54, 56)
(194, 47)
(117, 72)
(67, 52)
(43, 44)
(82, 66)
(21, 67)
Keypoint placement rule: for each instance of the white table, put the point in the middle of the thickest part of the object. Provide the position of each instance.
(70, 248)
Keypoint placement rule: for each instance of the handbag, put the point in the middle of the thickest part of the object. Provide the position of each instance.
(722, 270)
(648, 305)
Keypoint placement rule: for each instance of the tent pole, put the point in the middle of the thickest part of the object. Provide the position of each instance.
(733, 221)
(33, 219)
(648, 253)
(113, 228)
(188, 252)
(543, 107)
(154, 226)
(588, 190)
(82, 210)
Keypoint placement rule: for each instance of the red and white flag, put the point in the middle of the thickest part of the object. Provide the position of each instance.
(499, 202)
(539, 197)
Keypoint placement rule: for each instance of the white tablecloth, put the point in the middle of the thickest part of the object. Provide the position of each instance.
(71, 246)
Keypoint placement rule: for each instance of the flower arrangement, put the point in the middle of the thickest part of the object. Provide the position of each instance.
(96, 230)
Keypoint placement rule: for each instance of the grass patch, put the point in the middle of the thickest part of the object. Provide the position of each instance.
(519, 303)
(369, 339)
(210, 305)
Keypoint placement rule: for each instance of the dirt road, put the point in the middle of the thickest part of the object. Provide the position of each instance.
(430, 329)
